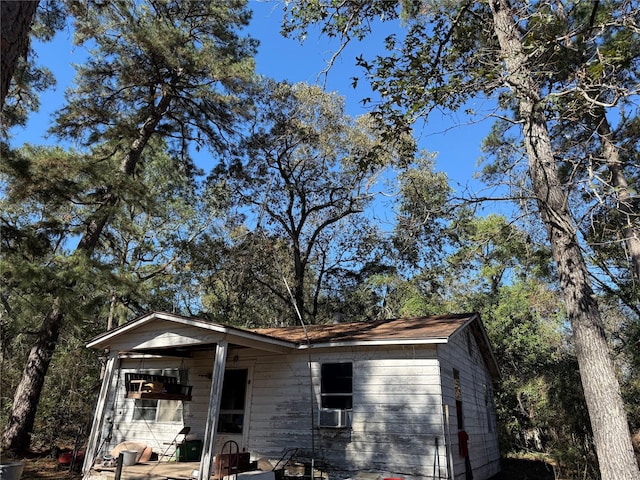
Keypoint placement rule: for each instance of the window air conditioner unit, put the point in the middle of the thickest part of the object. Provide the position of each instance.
(334, 418)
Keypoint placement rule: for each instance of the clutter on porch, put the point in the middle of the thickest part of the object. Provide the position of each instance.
(139, 462)
(160, 387)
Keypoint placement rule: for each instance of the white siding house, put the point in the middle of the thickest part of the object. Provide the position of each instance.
(394, 398)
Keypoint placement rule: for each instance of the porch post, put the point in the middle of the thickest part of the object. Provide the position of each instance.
(97, 427)
(208, 446)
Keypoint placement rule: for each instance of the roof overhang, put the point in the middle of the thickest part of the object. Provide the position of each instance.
(167, 334)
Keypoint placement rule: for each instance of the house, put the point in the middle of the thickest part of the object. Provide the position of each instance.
(409, 398)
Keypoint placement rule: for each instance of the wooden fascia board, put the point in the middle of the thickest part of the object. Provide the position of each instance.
(372, 343)
(156, 353)
(127, 355)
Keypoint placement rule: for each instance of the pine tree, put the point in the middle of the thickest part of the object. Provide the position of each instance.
(160, 68)
(17, 19)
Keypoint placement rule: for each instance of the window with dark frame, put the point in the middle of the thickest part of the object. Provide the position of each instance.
(336, 386)
(458, 395)
(489, 405)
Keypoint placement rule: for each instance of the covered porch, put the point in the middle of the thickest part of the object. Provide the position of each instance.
(171, 338)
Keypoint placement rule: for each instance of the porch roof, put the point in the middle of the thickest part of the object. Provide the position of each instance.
(158, 332)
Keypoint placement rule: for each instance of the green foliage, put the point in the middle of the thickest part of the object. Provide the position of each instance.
(540, 404)
(144, 245)
(69, 395)
(167, 75)
(42, 205)
(177, 68)
(306, 171)
(422, 213)
(29, 79)
(23, 97)
(96, 232)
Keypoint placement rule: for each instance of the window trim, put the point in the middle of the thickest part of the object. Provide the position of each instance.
(230, 411)
(345, 394)
(336, 404)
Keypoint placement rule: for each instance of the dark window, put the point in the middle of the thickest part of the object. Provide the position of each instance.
(337, 385)
(458, 395)
(234, 389)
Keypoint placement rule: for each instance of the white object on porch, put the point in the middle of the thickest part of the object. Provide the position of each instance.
(251, 475)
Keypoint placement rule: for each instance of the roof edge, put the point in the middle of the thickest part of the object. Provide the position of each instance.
(196, 322)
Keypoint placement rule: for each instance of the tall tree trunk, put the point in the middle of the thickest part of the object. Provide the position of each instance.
(601, 388)
(16, 18)
(27, 396)
(17, 434)
(619, 183)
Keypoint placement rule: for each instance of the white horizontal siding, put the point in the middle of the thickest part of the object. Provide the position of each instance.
(397, 419)
(397, 413)
(154, 434)
(462, 354)
(280, 410)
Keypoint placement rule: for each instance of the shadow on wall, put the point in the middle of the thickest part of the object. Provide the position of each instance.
(397, 421)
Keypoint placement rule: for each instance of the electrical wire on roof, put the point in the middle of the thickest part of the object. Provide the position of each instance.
(300, 319)
(306, 335)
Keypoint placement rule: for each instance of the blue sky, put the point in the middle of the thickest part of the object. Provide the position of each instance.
(457, 145)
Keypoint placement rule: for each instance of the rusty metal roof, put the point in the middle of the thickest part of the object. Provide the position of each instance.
(418, 328)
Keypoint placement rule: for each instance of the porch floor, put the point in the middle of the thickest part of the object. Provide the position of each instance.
(182, 471)
(147, 471)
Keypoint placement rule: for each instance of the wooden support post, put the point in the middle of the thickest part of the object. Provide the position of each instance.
(217, 378)
(93, 443)
(119, 463)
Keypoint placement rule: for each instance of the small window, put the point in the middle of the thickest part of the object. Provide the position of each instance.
(489, 406)
(144, 409)
(458, 395)
(336, 388)
(234, 389)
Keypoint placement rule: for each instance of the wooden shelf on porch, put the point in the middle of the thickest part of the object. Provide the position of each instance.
(159, 396)
(156, 387)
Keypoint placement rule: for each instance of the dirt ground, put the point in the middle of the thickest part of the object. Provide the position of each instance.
(45, 467)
